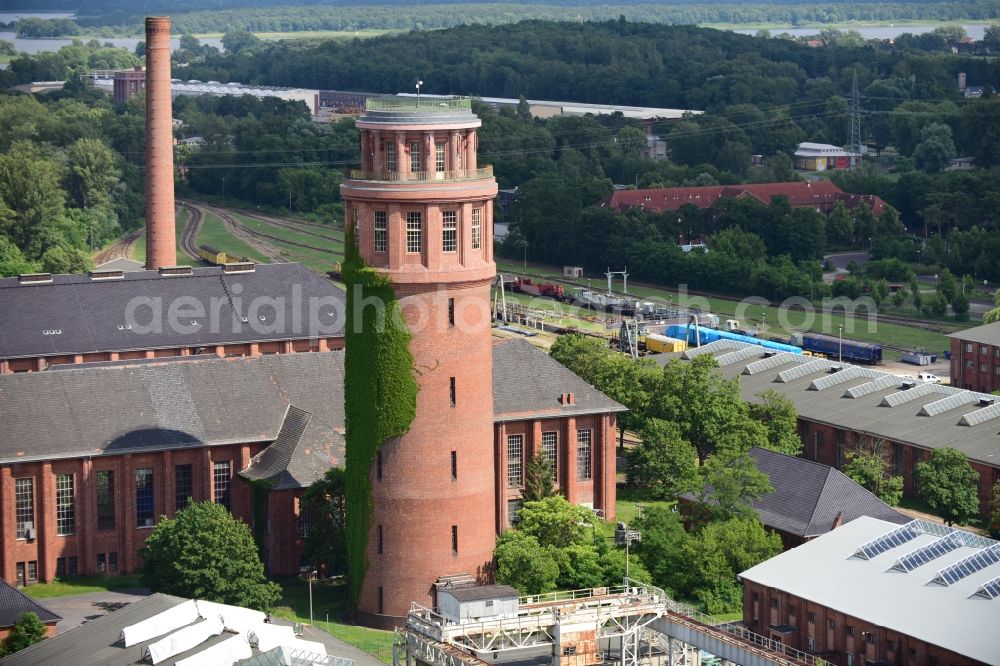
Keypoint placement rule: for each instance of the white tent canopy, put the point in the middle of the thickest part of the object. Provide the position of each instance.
(236, 619)
(183, 640)
(161, 623)
(269, 636)
(226, 653)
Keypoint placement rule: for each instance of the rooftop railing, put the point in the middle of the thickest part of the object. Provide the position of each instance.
(422, 176)
(416, 104)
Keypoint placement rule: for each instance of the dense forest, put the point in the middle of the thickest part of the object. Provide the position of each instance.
(197, 16)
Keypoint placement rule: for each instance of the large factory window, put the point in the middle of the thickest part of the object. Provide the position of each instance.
(515, 466)
(105, 499)
(550, 452)
(65, 508)
(144, 515)
(183, 486)
(449, 231)
(381, 231)
(454, 539)
(221, 476)
(583, 452)
(439, 149)
(24, 498)
(414, 230)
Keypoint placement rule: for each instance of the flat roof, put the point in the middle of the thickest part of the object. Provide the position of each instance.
(987, 334)
(864, 399)
(829, 571)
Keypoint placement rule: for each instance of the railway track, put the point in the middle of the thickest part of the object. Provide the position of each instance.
(189, 243)
(233, 225)
(296, 226)
(120, 248)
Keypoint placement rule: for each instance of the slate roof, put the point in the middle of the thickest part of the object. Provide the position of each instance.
(181, 403)
(121, 264)
(822, 194)
(866, 400)
(290, 462)
(13, 602)
(809, 497)
(987, 334)
(527, 383)
(75, 314)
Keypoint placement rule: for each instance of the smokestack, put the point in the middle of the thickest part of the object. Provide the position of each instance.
(161, 242)
(961, 82)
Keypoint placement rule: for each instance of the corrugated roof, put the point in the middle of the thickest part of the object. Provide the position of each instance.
(527, 383)
(843, 406)
(76, 315)
(826, 571)
(481, 592)
(987, 334)
(13, 602)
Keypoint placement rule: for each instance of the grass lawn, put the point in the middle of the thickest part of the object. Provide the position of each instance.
(214, 232)
(82, 585)
(778, 320)
(330, 601)
(138, 249)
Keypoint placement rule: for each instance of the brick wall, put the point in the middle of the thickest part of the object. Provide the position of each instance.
(975, 366)
(833, 635)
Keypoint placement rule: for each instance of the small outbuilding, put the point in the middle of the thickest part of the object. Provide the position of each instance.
(477, 602)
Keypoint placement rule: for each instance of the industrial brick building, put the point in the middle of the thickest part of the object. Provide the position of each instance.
(126, 442)
(874, 592)
(975, 358)
(843, 407)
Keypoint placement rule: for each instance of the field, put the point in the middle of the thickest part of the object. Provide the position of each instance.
(214, 232)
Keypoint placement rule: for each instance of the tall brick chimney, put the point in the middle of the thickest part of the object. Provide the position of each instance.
(161, 242)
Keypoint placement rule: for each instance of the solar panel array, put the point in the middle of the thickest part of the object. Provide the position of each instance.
(951, 402)
(882, 383)
(990, 589)
(773, 362)
(800, 371)
(888, 541)
(845, 375)
(981, 415)
(970, 565)
(928, 553)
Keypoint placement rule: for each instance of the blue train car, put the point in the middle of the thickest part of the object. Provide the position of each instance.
(834, 347)
(707, 335)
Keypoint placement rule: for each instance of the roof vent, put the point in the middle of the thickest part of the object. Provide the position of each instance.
(107, 275)
(835, 368)
(769, 353)
(239, 267)
(35, 278)
(906, 386)
(986, 402)
(169, 271)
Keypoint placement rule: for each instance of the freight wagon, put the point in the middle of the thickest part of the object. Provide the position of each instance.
(707, 335)
(526, 286)
(219, 257)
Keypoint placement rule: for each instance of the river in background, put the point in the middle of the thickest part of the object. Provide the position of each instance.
(974, 30)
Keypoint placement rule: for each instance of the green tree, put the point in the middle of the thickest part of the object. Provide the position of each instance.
(662, 548)
(92, 173)
(730, 483)
(947, 482)
(947, 286)
(960, 306)
(664, 463)
(993, 314)
(538, 479)
(12, 261)
(991, 36)
(27, 631)
(994, 525)
(557, 523)
(240, 41)
(704, 405)
(326, 540)
(523, 563)
(64, 260)
(936, 148)
(778, 415)
(868, 467)
(722, 550)
(206, 553)
(7, 48)
(29, 186)
(840, 226)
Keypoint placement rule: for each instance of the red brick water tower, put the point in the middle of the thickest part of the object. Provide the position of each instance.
(423, 213)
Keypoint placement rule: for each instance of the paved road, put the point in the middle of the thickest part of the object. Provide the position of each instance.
(840, 261)
(80, 608)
